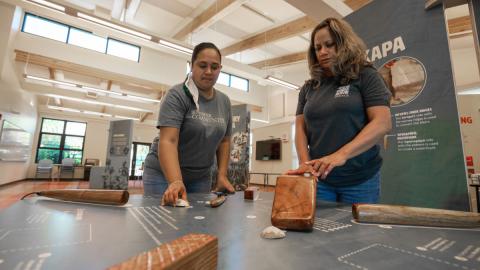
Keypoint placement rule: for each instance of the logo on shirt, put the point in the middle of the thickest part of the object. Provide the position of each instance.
(342, 91)
(206, 117)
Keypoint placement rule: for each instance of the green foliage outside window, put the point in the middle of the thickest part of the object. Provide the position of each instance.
(53, 126)
(61, 139)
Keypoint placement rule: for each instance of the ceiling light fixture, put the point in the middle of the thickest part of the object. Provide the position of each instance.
(475, 91)
(100, 90)
(113, 26)
(126, 117)
(94, 89)
(130, 108)
(260, 120)
(80, 100)
(63, 109)
(282, 83)
(47, 4)
(175, 47)
(97, 113)
(50, 81)
(98, 103)
(143, 98)
(66, 109)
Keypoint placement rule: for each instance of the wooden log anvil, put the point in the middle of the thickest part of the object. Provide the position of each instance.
(294, 203)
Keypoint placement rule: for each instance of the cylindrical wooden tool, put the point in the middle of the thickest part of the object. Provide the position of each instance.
(100, 196)
(406, 215)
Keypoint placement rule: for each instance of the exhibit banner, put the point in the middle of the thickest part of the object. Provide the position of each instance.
(114, 175)
(238, 167)
(423, 156)
(238, 163)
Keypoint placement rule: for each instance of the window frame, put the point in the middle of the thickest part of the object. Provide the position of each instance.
(63, 135)
(118, 40)
(88, 32)
(28, 14)
(239, 77)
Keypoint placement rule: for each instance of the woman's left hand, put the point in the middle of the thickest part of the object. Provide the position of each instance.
(323, 166)
(224, 185)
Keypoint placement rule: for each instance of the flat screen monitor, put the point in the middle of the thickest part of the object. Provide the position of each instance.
(269, 150)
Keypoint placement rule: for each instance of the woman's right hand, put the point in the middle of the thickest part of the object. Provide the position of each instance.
(303, 168)
(176, 190)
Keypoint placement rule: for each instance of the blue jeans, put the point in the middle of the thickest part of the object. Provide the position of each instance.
(366, 192)
(155, 183)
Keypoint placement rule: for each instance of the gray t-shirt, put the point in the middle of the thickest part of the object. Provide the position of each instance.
(200, 131)
(335, 114)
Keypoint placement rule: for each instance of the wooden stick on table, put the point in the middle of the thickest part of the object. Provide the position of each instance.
(406, 215)
(100, 196)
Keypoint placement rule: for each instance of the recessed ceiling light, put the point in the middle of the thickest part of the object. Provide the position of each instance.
(282, 83)
(47, 4)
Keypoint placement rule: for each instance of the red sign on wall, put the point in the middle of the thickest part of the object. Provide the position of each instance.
(466, 120)
(469, 160)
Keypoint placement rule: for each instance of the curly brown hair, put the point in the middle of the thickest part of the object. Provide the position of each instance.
(351, 55)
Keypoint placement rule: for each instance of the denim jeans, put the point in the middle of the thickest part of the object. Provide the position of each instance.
(155, 183)
(366, 192)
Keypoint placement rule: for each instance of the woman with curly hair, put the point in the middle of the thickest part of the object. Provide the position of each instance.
(342, 112)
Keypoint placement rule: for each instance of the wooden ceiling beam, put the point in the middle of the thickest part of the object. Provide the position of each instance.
(53, 63)
(51, 72)
(144, 116)
(459, 24)
(280, 61)
(218, 10)
(356, 4)
(432, 3)
(290, 29)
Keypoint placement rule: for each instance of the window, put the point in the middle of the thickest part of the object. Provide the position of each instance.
(45, 28)
(224, 79)
(87, 40)
(61, 139)
(122, 49)
(233, 81)
(239, 83)
(61, 32)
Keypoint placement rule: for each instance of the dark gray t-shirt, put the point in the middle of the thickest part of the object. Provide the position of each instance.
(335, 114)
(200, 131)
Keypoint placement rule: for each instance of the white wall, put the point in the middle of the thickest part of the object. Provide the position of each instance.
(467, 76)
(16, 105)
(272, 166)
(470, 107)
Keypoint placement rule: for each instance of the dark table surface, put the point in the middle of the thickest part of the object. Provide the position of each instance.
(40, 233)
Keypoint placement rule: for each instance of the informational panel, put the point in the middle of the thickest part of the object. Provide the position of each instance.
(423, 157)
(115, 174)
(15, 142)
(239, 145)
(239, 148)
